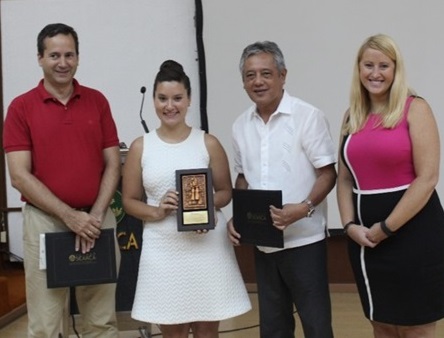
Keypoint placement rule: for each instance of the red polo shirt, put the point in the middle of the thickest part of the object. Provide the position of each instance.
(66, 141)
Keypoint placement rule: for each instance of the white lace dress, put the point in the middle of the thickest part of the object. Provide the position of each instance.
(183, 276)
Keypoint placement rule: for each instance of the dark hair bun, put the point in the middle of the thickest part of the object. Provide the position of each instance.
(171, 65)
(171, 70)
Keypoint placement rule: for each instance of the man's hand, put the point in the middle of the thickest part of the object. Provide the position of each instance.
(289, 214)
(86, 227)
(85, 245)
(233, 235)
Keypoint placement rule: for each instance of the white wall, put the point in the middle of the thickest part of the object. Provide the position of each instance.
(319, 39)
(122, 44)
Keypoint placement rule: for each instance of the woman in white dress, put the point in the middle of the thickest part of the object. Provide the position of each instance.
(187, 280)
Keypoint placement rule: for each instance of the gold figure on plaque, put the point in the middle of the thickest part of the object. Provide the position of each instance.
(194, 191)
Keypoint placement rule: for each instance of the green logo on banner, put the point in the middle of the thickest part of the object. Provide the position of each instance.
(117, 206)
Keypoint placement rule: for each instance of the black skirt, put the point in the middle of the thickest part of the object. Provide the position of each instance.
(401, 280)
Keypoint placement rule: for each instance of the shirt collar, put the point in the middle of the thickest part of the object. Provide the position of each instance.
(283, 108)
(47, 96)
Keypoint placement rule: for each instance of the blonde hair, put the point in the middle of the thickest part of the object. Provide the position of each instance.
(359, 109)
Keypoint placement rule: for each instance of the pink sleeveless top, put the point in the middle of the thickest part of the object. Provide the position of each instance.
(381, 158)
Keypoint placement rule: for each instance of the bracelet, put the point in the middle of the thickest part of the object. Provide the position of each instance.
(311, 208)
(385, 229)
(347, 225)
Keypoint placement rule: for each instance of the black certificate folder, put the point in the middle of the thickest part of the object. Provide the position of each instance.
(251, 217)
(67, 267)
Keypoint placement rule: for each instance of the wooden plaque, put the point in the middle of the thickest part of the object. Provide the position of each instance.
(196, 206)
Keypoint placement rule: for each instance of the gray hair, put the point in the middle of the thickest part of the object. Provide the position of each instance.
(263, 47)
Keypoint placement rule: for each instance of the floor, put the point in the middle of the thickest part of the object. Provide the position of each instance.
(348, 322)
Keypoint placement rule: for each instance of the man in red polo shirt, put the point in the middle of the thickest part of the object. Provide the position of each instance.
(63, 157)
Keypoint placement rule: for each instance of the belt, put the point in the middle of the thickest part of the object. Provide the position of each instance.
(84, 209)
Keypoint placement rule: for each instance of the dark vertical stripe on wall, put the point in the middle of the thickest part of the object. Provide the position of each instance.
(202, 67)
(3, 201)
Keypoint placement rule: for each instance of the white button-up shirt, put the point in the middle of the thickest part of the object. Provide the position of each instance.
(282, 154)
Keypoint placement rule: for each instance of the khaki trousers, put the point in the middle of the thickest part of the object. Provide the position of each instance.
(47, 307)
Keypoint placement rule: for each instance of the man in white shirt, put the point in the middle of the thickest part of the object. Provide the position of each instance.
(283, 143)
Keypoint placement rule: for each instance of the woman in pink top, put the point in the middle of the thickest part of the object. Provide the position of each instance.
(388, 170)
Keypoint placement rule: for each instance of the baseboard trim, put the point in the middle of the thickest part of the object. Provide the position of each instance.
(343, 288)
(12, 315)
(334, 287)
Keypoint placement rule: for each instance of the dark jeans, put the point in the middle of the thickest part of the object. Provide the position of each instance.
(294, 276)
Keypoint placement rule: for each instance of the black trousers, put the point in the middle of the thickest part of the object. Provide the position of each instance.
(294, 277)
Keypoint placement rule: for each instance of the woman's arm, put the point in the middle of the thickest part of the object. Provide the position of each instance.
(344, 195)
(132, 189)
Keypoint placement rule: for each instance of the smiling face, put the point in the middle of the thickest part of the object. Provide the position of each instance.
(171, 102)
(263, 82)
(59, 61)
(376, 72)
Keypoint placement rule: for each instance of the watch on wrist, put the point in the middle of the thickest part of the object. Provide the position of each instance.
(311, 208)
